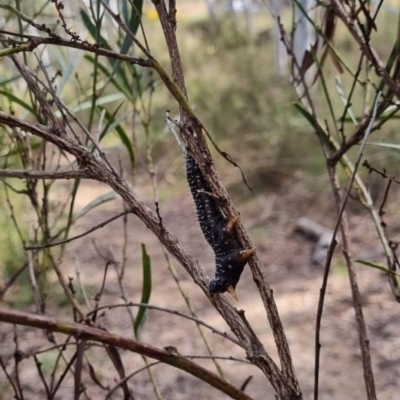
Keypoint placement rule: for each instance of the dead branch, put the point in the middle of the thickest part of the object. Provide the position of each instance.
(360, 322)
(92, 229)
(342, 224)
(167, 310)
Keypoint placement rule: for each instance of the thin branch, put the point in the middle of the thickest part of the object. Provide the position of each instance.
(17, 362)
(169, 28)
(213, 357)
(383, 173)
(94, 228)
(81, 344)
(98, 335)
(11, 281)
(369, 52)
(167, 310)
(126, 29)
(35, 41)
(26, 174)
(10, 379)
(42, 377)
(332, 246)
(113, 389)
(123, 381)
(361, 327)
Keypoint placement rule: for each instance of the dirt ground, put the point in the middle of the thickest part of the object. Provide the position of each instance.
(285, 256)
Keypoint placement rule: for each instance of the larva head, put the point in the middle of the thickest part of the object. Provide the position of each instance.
(220, 286)
(229, 267)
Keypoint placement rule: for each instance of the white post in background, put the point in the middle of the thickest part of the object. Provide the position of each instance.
(304, 35)
(280, 50)
(211, 7)
(247, 6)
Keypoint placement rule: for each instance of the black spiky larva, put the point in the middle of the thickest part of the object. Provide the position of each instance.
(230, 258)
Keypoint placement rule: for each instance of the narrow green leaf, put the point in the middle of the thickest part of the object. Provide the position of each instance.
(111, 121)
(118, 69)
(146, 291)
(133, 25)
(389, 65)
(111, 149)
(139, 77)
(121, 133)
(326, 92)
(328, 139)
(9, 80)
(378, 266)
(391, 146)
(344, 98)
(125, 10)
(310, 119)
(112, 124)
(322, 36)
(67, 72)
(91, 27)
(391, 109)
(105, 71)
(101, 101)
(134, 21)
(98, 201)
(15, 99)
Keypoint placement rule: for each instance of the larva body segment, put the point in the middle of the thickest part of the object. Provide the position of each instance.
(230, 258)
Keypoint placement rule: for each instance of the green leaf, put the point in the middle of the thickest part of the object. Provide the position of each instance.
(329, 141)
(115, 124)
(345, 99)
(91, 27)
(133, 25)
(146, 291)
(116, 64)
(378, 266)
(104, 198)
(15, 99)
(9, 80)
(389, 65)
(326, 92)
(100, 101)
(139, 77)
(310, 119)
(391, 146)
(125, 10)
(321, 35)
(105, 71)
(390, 110)
(67, 72)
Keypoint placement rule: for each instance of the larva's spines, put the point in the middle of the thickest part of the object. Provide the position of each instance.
(210, 217)
(218, 232)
